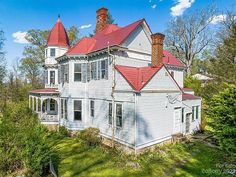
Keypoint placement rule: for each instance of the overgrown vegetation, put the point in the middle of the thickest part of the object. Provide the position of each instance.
(24, 143)
(90, 136)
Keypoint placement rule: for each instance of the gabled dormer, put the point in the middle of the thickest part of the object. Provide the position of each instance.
(57, 45)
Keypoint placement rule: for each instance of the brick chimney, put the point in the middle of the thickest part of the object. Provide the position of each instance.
(102, 19)
(157, 49)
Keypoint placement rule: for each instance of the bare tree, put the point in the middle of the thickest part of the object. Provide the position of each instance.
(188, 35)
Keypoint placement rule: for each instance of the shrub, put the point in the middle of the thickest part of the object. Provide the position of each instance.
(63, 132)
(221, 117)
(91, 136)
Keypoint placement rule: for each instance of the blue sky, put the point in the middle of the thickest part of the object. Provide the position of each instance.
(18, 16)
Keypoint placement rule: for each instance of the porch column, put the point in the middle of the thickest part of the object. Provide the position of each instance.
(36, 104)
(33, 103)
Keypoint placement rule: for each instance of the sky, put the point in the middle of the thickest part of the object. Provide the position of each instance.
(19, 16)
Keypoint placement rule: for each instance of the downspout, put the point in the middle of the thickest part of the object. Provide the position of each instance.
(135, 121)
(112, 94)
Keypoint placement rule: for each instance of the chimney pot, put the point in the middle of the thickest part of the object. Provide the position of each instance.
(157, 49)
(101, 19)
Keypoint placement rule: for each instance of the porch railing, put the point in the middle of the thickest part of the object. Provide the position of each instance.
(49, 118)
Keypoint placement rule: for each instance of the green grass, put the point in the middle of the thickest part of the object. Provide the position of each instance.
(193, 159)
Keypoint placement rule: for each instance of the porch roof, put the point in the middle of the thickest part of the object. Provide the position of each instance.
(187, 96)
(46, 90)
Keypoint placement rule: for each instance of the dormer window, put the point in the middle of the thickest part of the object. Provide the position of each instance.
(52, 52)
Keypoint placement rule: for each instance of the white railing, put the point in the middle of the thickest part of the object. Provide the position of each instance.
(49, 118)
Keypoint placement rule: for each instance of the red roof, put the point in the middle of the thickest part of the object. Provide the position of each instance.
(170, 59)
(46, 90)
(110, 35)
(137, 77)
(187, 96)
(58, 35)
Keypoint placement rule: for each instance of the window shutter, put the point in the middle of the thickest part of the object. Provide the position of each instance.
(95, 71)
(84, 72)
(106, 69)
(99, 69)
(59, 74)
(88, 72)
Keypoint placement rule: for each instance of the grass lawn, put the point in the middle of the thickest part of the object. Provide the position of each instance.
(193, 159)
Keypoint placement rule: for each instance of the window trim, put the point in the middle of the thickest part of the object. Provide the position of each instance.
(52, 78)
(193, 113)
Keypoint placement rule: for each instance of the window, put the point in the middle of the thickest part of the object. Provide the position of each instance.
(52, 77)
(46, 77)
(104, 69)
(64, 71)
(110, 114)
(52, 52)
(77, 110)
(92, 108)
(62, 116)
(94, 70)
(77, 72)
(193, 113)
(182, 115)
(119, 115)
(172, 74)
(52, 105)
(46, 53)
(65, 105)
(197, 113)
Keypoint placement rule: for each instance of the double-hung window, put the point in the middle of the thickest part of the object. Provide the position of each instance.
(104, 69)
(197, 112)
(119, 115)
(77, 110)
(193, 113)
(52, 52)
(77, 72)
(92, 108)
(62, 116)
(52, 77)
(110, 114)
(65, 105)
(182, 115)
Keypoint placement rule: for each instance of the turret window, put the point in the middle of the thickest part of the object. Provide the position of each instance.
(52, 77)
(52, 52)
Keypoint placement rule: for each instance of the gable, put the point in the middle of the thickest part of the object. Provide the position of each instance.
(162, 80)
(139, 40)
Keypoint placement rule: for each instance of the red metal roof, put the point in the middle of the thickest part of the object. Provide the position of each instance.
(110, 35)
(46, 90)
(58, 35)
(137, 77)
(170, 59)
(187, 96)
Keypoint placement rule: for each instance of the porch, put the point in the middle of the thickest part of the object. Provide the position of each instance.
(45, 104)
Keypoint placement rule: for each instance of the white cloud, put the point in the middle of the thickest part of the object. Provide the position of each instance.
(180, 7)
(85, 26)
(217, 19)
(154, 6)
(19, 37)
(150, 1)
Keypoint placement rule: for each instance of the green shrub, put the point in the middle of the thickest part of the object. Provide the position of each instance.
(91, 136)
(63, 132)
(221, 117)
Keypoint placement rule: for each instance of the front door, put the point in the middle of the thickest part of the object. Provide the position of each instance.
(177, 120)
(187, 123)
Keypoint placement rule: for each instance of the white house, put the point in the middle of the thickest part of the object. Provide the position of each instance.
(120, 81)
